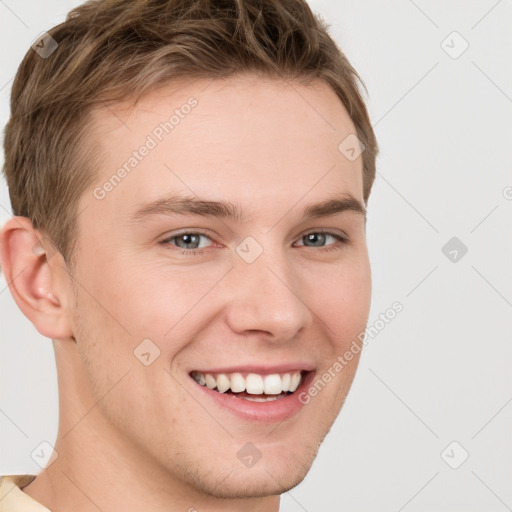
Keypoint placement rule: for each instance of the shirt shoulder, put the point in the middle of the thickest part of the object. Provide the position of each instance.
(13, 499)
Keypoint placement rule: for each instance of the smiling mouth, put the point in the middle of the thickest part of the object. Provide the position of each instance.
(253, 387)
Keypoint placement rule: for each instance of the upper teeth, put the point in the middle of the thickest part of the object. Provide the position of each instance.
(254, 384)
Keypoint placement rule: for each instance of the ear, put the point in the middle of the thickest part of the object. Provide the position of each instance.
(38, 288)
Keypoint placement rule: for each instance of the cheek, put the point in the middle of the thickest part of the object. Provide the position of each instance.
(117, 291)
(105, 312)
(131, 309)
(342, 299)
(346, 314)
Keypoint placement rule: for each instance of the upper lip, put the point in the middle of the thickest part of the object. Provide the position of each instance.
(259, 368)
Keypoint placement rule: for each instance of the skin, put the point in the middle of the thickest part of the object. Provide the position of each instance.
(133, 437)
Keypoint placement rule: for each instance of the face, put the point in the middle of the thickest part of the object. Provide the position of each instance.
(192, 324)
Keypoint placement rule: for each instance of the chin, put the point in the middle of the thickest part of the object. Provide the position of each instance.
(258, 482)
(273, 475)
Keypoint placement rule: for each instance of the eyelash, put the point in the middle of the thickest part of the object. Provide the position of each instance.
(197, 252)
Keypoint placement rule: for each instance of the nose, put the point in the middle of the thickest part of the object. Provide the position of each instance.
(268, 296)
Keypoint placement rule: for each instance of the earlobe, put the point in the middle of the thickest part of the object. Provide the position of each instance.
(33, 282)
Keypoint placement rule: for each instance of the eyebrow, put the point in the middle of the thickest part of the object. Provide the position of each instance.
(190, 205)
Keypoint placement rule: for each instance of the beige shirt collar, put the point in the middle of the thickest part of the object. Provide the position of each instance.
(13, 499)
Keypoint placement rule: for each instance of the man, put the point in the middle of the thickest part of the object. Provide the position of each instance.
(189, 181)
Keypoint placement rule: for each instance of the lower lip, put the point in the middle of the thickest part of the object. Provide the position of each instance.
(267, 412)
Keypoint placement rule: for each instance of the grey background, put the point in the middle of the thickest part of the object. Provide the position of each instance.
(440, 371)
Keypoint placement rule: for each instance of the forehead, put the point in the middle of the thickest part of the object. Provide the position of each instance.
(248, 140)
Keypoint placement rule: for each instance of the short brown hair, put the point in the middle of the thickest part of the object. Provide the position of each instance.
(110, 50)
